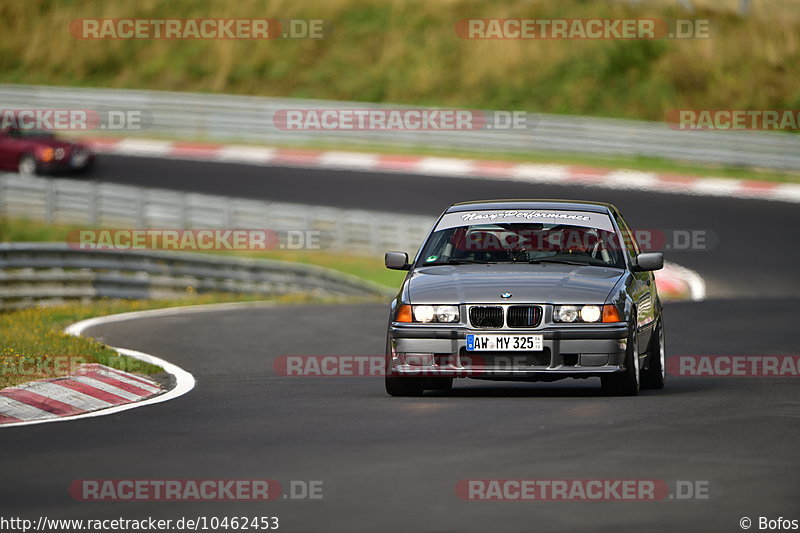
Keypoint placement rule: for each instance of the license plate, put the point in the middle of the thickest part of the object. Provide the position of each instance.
(506, 343)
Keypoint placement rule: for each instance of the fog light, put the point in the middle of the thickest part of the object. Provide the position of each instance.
(594, 359)
(419, 359)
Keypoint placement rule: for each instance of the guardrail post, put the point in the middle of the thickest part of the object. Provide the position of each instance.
(141, 217)
(94, 204)
(49, 201)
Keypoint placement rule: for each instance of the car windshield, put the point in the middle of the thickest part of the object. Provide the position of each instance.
(522, 243)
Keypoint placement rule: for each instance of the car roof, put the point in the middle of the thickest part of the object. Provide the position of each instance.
(570, 205)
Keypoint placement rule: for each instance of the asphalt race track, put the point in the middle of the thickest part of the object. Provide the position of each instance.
(392, 464)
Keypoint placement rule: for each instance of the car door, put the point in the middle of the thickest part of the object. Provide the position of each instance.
(642, 288)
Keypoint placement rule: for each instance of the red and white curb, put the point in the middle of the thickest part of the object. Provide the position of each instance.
(92, 387)
(93, 395)
(451, 167)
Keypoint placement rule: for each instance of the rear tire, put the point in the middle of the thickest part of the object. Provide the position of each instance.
(655, 375)
(404, 386)
(625, 383)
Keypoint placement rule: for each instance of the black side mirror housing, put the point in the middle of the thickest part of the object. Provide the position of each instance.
(396, 261)
(646, 262)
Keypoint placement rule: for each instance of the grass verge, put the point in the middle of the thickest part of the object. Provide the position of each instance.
(35, 346)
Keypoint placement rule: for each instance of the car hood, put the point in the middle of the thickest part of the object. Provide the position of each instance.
(542, 283)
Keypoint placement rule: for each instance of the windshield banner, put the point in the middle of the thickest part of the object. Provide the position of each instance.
(526, 216)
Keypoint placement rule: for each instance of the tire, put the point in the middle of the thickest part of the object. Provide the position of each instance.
(27, 165)
(625, 383)
(89, 168)
(404, 386)
(655, 375)
(438, 384)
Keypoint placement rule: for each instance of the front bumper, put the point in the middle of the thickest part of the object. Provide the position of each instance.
(575, 351)
(72, 163)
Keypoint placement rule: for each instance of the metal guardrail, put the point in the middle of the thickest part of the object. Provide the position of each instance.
(39, 273)
(246, 118)
(98, 204)
(32, 273)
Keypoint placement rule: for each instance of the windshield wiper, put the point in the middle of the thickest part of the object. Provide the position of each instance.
(461, 262)
(560, 261)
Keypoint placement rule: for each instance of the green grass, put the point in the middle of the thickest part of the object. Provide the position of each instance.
(34, 344)
(406, 51)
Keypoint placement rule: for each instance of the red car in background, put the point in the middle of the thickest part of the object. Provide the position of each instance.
(31, 152)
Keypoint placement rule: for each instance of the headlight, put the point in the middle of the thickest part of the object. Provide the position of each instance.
(586, 313)
(566, 313)
(428, 313)
(590, 313)
(446, 313)
(423, 313)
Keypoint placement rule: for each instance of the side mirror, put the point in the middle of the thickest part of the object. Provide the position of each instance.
(649, 261)
(396, 261)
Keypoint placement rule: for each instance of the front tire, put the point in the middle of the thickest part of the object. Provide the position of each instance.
(27, 165)
(625, 383)
(438, 383)
(655, 376)
(404, 386)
